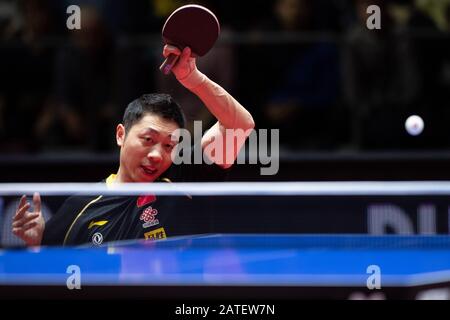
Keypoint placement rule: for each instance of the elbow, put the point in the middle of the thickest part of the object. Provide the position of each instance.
(252, 123)
(249, 122)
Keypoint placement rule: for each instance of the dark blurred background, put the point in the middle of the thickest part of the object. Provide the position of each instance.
(339, 92)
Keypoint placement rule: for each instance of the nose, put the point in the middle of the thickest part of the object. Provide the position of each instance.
(155, 154)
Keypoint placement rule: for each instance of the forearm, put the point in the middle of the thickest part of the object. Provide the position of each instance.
(228, 111)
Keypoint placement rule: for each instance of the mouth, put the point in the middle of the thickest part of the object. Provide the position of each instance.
(149, 170)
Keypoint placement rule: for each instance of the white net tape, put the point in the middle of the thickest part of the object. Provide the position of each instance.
(395, 188)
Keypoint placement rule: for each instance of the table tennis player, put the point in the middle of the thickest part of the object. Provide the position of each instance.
(145, 143)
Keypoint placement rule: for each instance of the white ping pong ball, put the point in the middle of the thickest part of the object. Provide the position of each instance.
(414, 125)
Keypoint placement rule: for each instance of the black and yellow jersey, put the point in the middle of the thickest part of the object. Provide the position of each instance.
(100, 219)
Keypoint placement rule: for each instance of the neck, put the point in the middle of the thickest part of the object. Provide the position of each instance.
(121, 177)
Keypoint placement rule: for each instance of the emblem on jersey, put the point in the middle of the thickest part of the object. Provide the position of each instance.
(97, 223)
(157, 234)
(149, 217)
(97, 238)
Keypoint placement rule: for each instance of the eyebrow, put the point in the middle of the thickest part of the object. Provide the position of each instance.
(154, 131)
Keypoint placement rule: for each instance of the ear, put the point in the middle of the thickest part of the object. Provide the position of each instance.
(120, 134)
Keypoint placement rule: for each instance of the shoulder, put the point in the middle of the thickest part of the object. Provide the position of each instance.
(58, 225)
(77, 201)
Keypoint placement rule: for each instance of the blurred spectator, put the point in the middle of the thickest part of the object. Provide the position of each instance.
(381, 75)
(25, 61)
(10, 18)
(304, 91)
(121, 17)
(395, 72)
(82, 113)
(431, 50)
(435, 9)
(68, 92)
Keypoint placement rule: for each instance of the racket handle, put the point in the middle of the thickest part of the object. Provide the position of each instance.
(168, 63)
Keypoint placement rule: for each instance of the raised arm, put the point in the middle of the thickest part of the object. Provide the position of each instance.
(230, 114)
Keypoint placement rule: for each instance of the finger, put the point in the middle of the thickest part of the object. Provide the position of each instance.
(20, 213)
(187, 52)
(29, 225)
(19, 223)
(22, 202)
(18, 232)
(27, 204)
(185, 55)
(26, 219)
(168, 49)
(37, 202)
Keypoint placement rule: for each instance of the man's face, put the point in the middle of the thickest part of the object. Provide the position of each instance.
(145, 150)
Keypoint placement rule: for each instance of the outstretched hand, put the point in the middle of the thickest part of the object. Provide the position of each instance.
(29, 225)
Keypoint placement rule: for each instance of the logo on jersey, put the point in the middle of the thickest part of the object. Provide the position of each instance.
(149, 217)
(97, 238)
(157, 234)
(97, 223)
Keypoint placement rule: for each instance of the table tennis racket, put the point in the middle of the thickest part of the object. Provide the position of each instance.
(191, 26)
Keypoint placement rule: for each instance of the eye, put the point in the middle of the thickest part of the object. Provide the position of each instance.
(148, 139)
(169, 146)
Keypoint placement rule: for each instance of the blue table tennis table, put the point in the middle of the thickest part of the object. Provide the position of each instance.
(263, 264)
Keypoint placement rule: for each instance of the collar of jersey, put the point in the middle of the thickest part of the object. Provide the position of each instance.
(112, 177)
(110, 180)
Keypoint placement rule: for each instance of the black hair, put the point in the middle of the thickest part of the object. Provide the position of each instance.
(154, 103)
